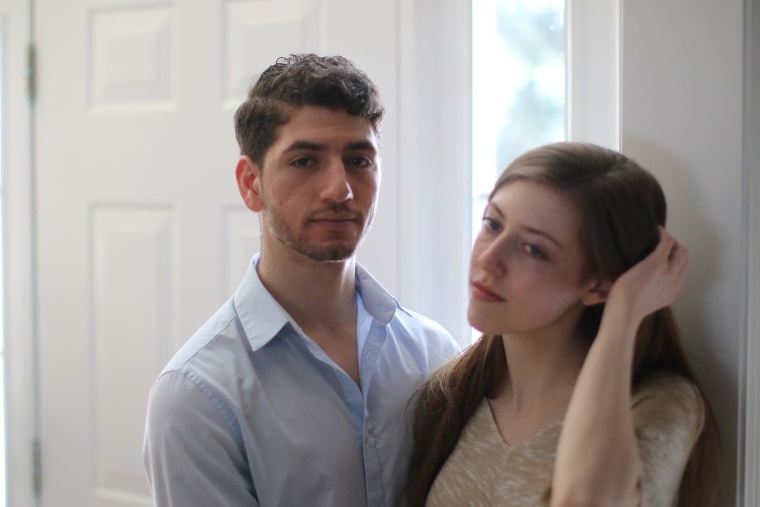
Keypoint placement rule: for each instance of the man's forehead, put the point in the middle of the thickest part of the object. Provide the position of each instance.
(322, 127)
(311, 113)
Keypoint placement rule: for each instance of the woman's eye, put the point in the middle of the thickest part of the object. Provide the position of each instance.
(534, 251)
(490, 224)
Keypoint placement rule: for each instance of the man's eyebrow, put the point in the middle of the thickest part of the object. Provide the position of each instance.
(361, 146)
(304, 145)
(313, 146)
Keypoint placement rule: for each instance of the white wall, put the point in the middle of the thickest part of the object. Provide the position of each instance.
(682, 101)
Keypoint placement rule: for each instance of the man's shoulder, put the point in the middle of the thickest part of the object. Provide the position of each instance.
(419, 321)
(425, 332)
(218, 339)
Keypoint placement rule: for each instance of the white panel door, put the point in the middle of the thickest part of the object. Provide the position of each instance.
(140, 232)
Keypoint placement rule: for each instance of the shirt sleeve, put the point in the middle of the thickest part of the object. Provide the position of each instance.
(668, 416)
(193, 451)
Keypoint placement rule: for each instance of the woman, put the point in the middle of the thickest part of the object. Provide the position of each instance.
(579, 391)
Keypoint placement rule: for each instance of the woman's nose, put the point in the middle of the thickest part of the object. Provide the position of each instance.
(491, 258)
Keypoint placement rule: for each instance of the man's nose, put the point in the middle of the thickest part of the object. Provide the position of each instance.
(335, 183)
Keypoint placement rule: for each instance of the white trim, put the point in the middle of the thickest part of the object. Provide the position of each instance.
(434, 159)
(748, 485)
(593, 63)
(18, 228)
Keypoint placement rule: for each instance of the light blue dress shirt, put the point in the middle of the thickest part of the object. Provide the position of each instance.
(251, 412)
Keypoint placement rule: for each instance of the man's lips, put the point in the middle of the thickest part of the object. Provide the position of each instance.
(334, 220)
(343, 215)
(482, 292)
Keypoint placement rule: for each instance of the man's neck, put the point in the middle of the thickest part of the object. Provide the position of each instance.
(321, 298)
(318, 295)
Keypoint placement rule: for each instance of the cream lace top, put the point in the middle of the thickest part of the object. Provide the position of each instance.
(483, 470)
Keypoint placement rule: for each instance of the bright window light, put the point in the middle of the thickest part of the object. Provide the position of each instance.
(518, 86)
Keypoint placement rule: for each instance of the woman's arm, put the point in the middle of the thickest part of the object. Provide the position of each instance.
(598, 462)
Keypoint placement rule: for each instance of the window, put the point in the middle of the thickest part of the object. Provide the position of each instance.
(518, 86)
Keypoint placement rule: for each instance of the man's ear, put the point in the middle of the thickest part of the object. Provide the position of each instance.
(596, 292)
(248, 175)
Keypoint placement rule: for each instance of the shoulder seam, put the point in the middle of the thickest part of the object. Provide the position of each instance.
(220, 406)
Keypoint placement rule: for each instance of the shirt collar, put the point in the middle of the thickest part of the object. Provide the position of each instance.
(263, 318)
(378, 302)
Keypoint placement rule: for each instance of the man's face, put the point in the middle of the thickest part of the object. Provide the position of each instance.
(317, 189)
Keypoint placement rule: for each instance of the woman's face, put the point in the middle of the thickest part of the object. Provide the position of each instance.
(526, 264)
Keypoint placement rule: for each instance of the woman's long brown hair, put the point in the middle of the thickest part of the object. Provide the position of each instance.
(621, 206)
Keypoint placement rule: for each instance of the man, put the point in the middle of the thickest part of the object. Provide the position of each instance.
(294, 392)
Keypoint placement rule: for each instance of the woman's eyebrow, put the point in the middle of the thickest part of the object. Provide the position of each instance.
(542, 233)
(493, 206)
(527, 228)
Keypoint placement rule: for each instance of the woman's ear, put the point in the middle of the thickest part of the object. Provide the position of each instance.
(596, 292)
(248, 177)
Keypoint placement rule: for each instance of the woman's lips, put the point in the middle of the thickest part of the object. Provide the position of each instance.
(484, 293)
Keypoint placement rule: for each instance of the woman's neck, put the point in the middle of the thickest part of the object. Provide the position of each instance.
(541, 370)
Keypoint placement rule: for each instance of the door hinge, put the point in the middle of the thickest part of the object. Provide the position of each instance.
(31, 71)
(36, 468)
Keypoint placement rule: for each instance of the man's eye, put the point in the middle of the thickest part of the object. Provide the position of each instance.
(303, 162)
(359, 162)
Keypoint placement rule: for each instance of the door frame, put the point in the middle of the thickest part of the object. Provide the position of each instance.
(748, 466)
(21, 400)
(434, 153)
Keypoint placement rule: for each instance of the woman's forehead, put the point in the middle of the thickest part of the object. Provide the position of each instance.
(537, 205)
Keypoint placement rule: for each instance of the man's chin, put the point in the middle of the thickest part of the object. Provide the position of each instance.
(331, 253)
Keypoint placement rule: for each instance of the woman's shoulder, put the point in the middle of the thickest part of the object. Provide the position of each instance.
(668, 401)
(667, 387)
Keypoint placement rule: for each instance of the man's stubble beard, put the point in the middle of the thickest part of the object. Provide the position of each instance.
(332, 251)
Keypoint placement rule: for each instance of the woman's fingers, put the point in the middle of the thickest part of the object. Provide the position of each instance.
(673, 261)
(679, 261)
(656, 281)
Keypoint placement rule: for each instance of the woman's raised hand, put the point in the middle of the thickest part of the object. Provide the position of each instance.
(654, 282)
